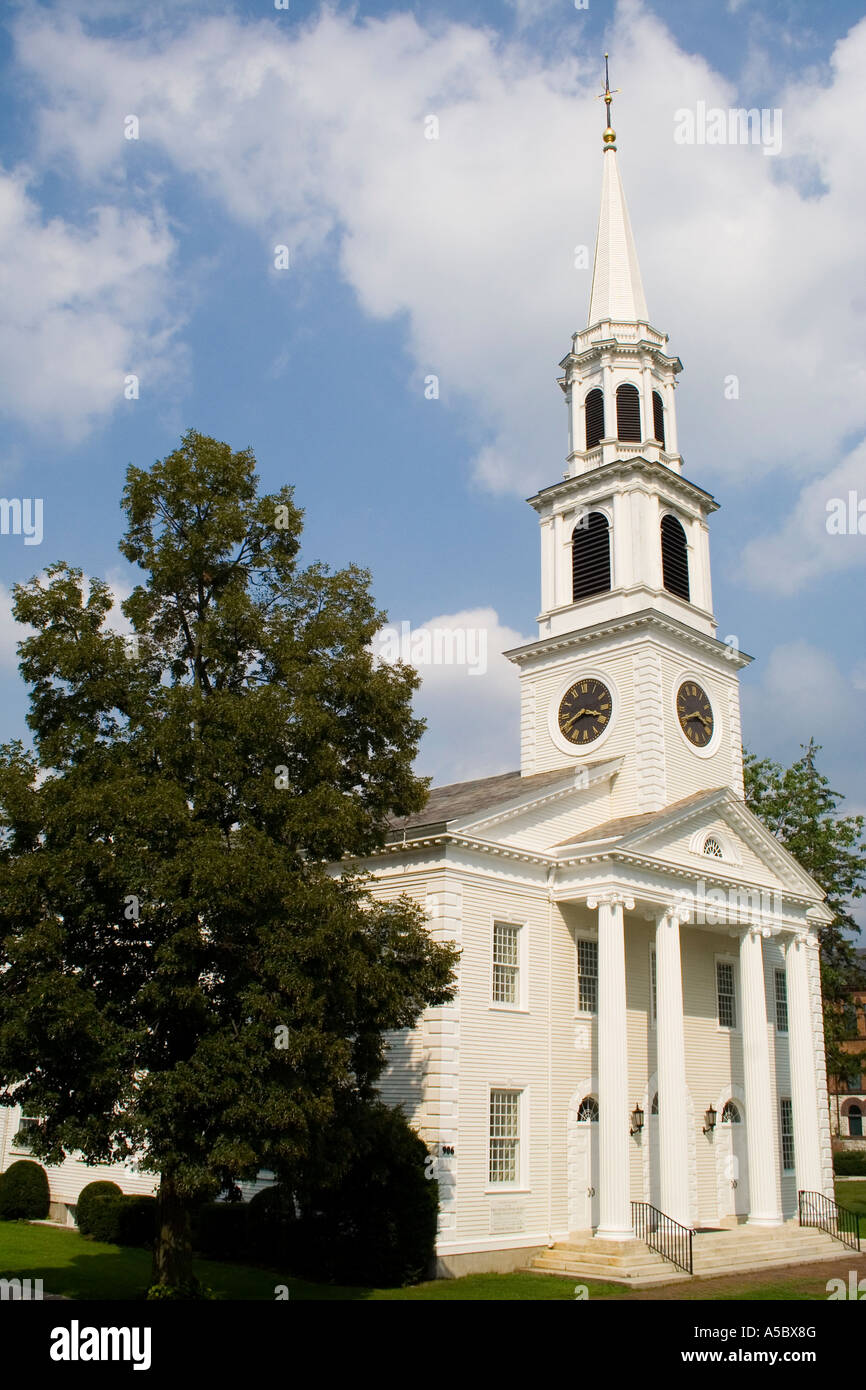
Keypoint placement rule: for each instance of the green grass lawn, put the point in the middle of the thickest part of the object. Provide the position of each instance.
(84, 1269)
(853, 1196)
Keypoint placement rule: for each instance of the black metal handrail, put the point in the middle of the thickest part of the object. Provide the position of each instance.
(817, 1210)
(664, 1235)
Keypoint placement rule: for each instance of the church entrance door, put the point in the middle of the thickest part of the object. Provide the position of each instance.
(586, 1173)
(734, 1157)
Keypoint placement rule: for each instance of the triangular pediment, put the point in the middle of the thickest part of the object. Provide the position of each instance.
(712, 834)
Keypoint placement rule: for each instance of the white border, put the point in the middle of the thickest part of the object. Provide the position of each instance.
(562, 743)
(508, 919)
(696, 844)
(713, 746)
(722, 957)
(522, 1184)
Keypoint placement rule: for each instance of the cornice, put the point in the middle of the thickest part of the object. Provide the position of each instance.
(619, 469)
(632, 622)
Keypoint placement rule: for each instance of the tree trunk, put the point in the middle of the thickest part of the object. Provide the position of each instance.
(172, 1250)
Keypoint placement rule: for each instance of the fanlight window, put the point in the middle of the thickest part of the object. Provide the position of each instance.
(590, 556)
(730, 1114)
(659, 418)
(713, 848)
(628, 413)
(594, 413)
(587, 1112)
(675, 557)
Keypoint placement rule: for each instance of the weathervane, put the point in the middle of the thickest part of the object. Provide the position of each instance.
(609, 134)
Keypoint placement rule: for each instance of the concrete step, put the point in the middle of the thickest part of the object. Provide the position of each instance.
(738, 1250)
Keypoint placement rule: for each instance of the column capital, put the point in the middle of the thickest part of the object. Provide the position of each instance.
(612, 898)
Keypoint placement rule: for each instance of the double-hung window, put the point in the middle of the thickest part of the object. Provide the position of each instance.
(726, 994)
(504, 1168)
(506, 963)
(587, 976)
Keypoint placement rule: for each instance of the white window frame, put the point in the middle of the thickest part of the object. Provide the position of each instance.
(578, 1011)
(721, 959)
(521, 1006)
(18, 1148)
(777, 972)
(521, 1184)
(783, 1134)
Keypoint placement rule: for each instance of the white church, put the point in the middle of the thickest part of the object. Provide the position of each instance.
(636, 1046)
(630, 1081)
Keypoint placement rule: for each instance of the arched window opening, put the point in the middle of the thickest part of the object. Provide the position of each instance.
(713, 848)
(594, 413)
(730, 1114)
(855, 1122)
(628, 413)
(587, 1113)
(675, 557)
(654, 1108)
(659, 418)
(590, 556)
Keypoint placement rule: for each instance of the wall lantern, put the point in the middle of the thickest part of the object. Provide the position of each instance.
(710, 1117)
(636, 1120)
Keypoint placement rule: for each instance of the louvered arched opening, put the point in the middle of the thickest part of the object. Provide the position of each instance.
(659, 418)
(594, 410)
(590, 556)
(628, 413)
(675, 558)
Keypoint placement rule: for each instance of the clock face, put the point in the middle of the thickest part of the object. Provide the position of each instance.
(695, 714)
(585, 711)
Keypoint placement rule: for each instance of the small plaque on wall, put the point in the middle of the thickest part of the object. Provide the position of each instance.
(506, 1217)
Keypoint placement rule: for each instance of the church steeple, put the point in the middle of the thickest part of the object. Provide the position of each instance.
(626, 609)
(617, 289)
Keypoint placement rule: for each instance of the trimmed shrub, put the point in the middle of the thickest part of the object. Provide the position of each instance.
(378, 1224)
(851, 1164)
(84, 1205)
(272, 1225)
(221, 1230)
(124, 1219)
(24, 1192)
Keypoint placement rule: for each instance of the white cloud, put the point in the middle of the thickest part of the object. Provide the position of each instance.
(82, 308)
(805, 694)
(469, 693)
(802, 548)
(11, 633)
(321, 130)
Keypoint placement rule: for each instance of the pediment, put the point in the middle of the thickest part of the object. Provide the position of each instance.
(740, 846)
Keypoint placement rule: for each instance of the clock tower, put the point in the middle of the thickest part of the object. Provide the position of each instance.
(628, 665)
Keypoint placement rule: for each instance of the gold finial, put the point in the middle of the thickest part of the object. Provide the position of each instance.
(609, 135)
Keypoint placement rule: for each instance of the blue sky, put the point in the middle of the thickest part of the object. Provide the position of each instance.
(455, 257)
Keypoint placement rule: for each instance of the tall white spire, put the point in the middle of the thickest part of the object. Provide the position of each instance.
(617, 290)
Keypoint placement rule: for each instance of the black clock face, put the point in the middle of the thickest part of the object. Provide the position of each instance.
(695, 714)
(585, 711)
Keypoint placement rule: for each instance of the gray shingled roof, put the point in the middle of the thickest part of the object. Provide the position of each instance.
(446, 804)
(616, 829)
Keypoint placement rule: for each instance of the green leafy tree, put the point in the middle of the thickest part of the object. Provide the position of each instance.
(182, 979)
(799, 807)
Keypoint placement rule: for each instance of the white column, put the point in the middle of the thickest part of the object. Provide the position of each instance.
(801, 1051)
(764, 1203)
(671, 1051)
(615, 1221)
